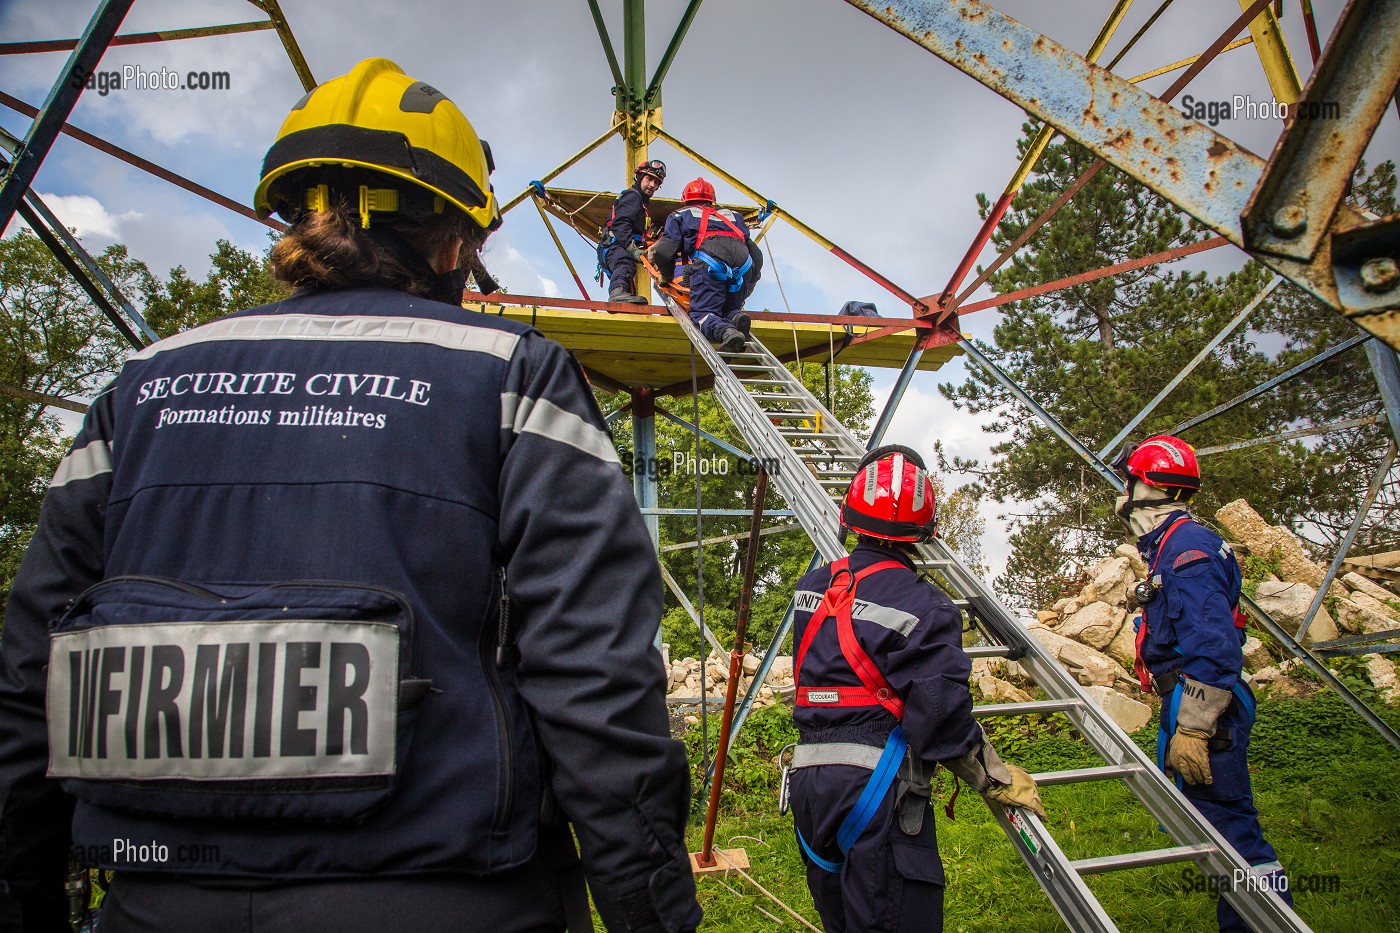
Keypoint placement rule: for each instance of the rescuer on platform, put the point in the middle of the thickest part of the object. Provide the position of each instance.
(1190, 633)
(342, 599)
(882, 696)
(723, 264)
(628, 232)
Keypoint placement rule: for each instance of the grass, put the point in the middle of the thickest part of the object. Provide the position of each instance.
(1327, 788)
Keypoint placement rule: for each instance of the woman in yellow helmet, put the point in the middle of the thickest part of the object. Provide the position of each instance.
(335, 601)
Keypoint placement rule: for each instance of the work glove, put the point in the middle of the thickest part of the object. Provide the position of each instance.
(633, 250)
(1196, 717)
(1021, 792)
(982, 770)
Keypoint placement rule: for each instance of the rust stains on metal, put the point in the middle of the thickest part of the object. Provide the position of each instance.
(1218, 149)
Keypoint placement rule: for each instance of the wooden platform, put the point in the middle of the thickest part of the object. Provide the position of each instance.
(641, 350)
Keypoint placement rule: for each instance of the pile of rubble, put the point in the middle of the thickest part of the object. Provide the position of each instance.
(685, 679)
(1091, 633)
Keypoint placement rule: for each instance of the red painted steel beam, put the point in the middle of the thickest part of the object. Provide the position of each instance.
(131, 158)
(137, 38)
(1096, 274)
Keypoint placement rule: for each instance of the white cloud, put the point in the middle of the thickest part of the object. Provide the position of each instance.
(87, 217)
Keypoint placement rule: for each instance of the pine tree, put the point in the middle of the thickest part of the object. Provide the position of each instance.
(1093, 355)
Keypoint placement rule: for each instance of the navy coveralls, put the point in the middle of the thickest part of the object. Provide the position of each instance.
(402, 453)
(627, 223)
(890, 880)
(1192, 632)
(718, 287)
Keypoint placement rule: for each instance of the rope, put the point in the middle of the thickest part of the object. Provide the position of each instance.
(770, 895)
(773, 264)
(699, 565)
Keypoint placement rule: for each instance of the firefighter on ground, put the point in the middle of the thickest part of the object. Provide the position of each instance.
(629, 232)
(345, 605)
(882, 697)
(722, 264)
(1190, 634)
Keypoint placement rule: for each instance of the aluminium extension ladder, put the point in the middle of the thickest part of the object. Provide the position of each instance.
(812, 458)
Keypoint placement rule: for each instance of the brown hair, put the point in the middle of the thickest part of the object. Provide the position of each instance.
(329, 249)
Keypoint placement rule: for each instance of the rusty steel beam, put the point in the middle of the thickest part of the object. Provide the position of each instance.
(138, 38)
(132, 159)
(42, 398)
(1297, 211)
(1202, 172)
(289, 41)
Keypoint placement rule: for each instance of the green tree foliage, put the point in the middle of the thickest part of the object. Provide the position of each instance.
(1095, 354)
(57, 342)
(237, 280)
(783, 556)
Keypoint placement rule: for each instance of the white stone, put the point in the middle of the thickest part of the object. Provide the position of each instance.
(1109, 578)
(1256, 656)
(1123, 648)
(1084, 663)
(781, 669)
(1130, 715)
(1355, 617)
(750, 664)
(1094, 625)
(996, 690)
(1371, 588)
(1287, 602)
(1047, 617)
(1383, 678)
(1135, 561)
(1240, 519)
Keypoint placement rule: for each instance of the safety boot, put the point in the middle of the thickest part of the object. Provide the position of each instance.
(730, 340)
(619, 293)
(741, 321)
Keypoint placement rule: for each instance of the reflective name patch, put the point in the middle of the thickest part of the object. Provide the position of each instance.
(823, 696)
(223, 701)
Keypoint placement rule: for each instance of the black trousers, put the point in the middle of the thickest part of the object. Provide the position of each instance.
(524, 900)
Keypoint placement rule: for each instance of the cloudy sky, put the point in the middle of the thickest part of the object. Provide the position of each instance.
(849, 126)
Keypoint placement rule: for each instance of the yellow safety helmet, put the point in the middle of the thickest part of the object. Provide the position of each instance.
(380, 119)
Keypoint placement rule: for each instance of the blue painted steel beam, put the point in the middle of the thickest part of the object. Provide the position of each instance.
(721, 443)
(1202, 172)
(644, 479)
(1263, 387)
(62, 97)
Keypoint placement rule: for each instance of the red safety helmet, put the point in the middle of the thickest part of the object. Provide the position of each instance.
(891, 497)
(1164, 461)
(699, 190)
(653, 167)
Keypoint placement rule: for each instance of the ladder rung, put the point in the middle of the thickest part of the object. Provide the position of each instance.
(1026, 709)
(811, 435)
(988, 651)
(1093, 866)
(734, 354)
(804, 415)
(777, 397)
(1076, 775)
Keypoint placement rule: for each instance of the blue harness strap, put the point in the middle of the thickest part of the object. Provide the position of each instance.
(869, 802)
(724, 271)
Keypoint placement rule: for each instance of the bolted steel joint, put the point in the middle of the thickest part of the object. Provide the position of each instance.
(1380, 275)
(1289, 221)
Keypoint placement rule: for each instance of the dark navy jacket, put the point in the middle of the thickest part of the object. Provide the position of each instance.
(681, 237)
(1191, 623)
(913, 635)
(378, 439)
(629, 219)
